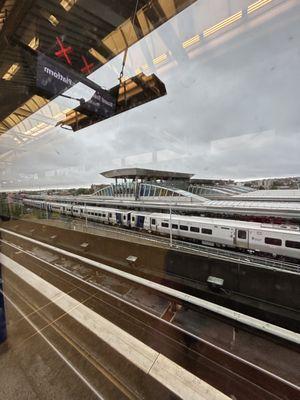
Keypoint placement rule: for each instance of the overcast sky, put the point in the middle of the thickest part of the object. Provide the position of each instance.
(232, 108)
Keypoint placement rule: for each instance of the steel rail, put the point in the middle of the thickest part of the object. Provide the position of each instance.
(204, 356)
(215, 308)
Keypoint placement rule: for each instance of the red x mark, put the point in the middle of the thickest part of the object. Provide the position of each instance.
(87, 67)
(64, 51)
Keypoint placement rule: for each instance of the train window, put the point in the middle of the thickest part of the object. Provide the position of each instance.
(110, 215)
(165, 225)
(174, 226)
(124, 216)
(153, 221)
(194, 229)
(242, 234)
(103, 215)
(273, 241)
(206, 231)
(133, 219)
(292, 244)
(184, 227)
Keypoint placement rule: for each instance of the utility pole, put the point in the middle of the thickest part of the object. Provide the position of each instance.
(170, 225)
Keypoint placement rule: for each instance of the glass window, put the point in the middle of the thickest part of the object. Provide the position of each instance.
(242, 234)
(184, 228)
(206, 231)
(292, 244)
(273, 241)
(213, 149)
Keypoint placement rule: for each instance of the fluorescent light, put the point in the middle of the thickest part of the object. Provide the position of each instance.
(258, 4)
(34, 43)
(193, 40)
(160, 59)
(97, 55)
(54, 21)
(222, 24)
(68, 4)
(63, 113)
(40, 128)
(12, 70)
(138, 71)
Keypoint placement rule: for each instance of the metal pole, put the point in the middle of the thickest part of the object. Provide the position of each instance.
(3, 332)
(170, 225)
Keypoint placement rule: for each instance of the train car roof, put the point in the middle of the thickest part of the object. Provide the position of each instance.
(102, 209)
(226, 222)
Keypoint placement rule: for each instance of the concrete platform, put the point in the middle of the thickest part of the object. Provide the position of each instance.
(65, 349)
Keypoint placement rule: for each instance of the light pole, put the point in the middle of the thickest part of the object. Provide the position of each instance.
(170, 225)
(85, 216)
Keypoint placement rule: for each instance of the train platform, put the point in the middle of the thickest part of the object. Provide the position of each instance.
(57, 335)
(115, 349)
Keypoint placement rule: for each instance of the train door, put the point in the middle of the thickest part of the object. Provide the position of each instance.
(242, 238)
(140, 221)
(119, 218)
(153, 224)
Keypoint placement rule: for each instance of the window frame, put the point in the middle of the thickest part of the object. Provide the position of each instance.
(292, 247)
(206, 231)
(273, 241)
(183, 227)
(244, 234)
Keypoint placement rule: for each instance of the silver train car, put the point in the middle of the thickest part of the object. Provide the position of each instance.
(253, 237)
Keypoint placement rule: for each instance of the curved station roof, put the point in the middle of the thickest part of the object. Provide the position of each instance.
(145, 174)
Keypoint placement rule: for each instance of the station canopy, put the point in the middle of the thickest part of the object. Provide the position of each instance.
(145, 174)
(78, 35)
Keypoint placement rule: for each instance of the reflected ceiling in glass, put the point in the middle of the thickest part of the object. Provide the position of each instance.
(231, 72)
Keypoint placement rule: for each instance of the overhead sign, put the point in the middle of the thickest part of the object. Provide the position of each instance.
(53, 77)
(102, 104)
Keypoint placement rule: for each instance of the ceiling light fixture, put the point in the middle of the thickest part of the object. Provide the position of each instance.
(12, 70)
(223, 24)
(193, 40)
(258, 4)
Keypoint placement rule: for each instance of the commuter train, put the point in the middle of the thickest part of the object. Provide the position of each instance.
(252, 237)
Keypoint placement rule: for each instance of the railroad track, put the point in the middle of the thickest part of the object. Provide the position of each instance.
(207, 360)
(223, 254)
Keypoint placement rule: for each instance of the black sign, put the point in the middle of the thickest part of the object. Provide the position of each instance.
(53, 77)
(102, 104)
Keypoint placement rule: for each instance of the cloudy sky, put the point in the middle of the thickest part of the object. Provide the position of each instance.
(231, 111)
